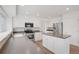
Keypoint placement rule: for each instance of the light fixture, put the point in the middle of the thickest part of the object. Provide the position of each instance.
(21, 5)
(67, 9)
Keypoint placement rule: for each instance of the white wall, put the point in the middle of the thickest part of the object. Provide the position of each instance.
(20, 20)
(71, 26)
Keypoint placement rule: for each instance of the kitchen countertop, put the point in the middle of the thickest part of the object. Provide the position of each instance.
(64, 36)
(22, 29)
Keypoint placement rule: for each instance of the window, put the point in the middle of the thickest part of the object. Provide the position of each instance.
(2, 24)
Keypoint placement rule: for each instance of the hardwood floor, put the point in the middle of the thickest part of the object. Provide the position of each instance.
(20, 44)
(74, 49)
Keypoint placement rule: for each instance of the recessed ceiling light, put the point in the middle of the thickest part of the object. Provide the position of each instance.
(21, 5)
(67, 9)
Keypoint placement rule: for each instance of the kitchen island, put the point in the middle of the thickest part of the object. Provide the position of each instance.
(58, 44)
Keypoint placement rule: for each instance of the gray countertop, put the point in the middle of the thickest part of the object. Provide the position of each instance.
(64, 36)
(21, 29)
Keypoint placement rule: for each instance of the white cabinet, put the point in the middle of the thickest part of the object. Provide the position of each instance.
(61, 46)
(38, 36)
(56, 45)
(48, 42)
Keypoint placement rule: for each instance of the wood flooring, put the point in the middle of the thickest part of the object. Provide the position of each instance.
(20, 44)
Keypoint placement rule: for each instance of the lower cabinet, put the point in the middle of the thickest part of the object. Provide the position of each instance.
(61, 46)
(38, 36)
(56, 45)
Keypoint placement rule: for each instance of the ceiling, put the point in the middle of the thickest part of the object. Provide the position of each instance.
(10, 10)
(47, 11)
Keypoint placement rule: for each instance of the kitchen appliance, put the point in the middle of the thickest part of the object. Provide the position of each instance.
(58, 28)
(28, 24)
(29, 30)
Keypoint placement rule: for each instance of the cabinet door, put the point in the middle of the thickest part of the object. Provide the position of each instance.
(52, 44)
(45, 41)
(38, 36)
(61, 46)
(48, 42)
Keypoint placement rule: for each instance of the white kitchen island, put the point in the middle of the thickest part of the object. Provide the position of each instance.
(56, 44)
